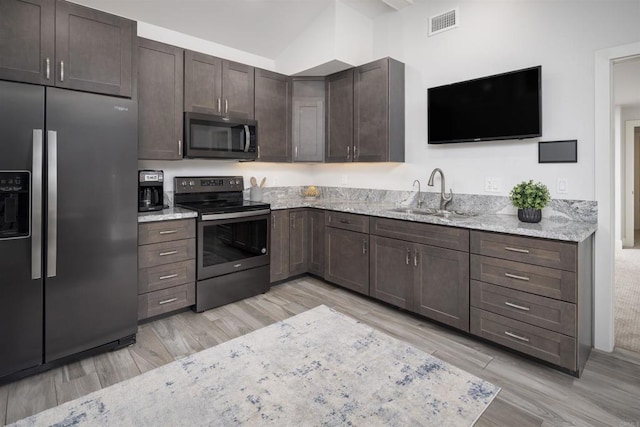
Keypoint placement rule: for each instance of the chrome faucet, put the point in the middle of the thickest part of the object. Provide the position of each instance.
(420, 201)
(444, 199)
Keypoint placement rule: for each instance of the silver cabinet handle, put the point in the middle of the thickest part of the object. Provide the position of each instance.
(167, 301)
(408, 259)
(518, 337)
(48, 71)
(168, 253)
(519, 307)
(61, 71)
(168, 276)
(296, 154)
(513, 276)
(226, 106)
(52, 203)
(163, 232)
(237, 265)
(415, 258)
(522, 251)
(364, 247)
(355, 152)
(258, 151)
(344, 221)
(293, 221)
(219, 108)
(179, 148)
(36, 205)
(348, 152)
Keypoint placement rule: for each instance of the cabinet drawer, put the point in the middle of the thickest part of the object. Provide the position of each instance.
(165, 276)
(557, 316)
(166, 231)
(427, 234)
(347, 221)
(537, 342)
(548, 282)
(545, 253)
(166, 300)
(166, 252)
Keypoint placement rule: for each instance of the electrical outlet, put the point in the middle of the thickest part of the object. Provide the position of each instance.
(276, 181)
(344, 180)
(562, 186)
(492, 185)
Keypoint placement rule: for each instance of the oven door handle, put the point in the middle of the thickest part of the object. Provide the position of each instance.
(247, 138)
(232, 215)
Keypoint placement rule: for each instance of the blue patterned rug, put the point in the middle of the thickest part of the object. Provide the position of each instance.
(317, 368)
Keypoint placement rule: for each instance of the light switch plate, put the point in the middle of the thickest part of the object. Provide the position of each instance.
(492, 185)
(562, 186)
(344, 180)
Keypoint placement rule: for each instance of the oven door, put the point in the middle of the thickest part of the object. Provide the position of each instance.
(232, 244)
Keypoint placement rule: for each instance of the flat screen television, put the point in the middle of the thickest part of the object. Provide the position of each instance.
(504, 106)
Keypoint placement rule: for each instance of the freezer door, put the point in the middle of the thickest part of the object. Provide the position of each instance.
(21, 128)
(91, 247)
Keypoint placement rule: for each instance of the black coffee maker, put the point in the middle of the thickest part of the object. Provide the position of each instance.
(150, 190)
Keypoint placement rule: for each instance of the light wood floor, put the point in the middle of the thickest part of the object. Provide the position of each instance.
(608, 393)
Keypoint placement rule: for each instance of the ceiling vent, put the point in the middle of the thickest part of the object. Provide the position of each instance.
(443, 22)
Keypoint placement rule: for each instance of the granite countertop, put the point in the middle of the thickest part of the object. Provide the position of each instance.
(561, 229)
(166, 215)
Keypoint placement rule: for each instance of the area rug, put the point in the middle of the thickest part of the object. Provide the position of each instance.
(317, 368)
(627, 299)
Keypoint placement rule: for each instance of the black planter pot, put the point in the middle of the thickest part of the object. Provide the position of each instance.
(529, 215)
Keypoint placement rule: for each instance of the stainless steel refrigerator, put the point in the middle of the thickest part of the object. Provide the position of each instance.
(68, 225)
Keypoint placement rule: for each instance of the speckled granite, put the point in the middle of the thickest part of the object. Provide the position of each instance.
(317, 368)
(566, 220)
(166, 215)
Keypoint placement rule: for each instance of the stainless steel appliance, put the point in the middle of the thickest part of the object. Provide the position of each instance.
(68, 227)
(219, 137)
(150, 190)
(232, 239)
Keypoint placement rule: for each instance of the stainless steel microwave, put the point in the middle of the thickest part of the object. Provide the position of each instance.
(214, 137)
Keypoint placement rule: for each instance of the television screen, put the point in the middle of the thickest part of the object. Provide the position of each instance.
(504, 106)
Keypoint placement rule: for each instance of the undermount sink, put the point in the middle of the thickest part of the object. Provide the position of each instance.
(434, 212)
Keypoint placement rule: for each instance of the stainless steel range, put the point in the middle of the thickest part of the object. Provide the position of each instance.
(232, 239)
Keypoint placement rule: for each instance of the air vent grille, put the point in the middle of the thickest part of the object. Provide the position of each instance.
(443, 22)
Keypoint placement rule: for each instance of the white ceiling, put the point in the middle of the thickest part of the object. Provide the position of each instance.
(261, 27)
(626, 82)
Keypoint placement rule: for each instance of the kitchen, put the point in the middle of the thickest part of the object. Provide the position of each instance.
(457, 161)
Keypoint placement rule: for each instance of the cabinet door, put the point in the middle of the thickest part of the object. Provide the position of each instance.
(379, 112)
(339, 117)
(273, 112)
(441, 285)
(308, 130)
(238, 89)
(279, 245)
(298, 242)
(316, 232)
(160, 85)
(347, 259)
(392, 271)
(202, 83)
(27, 41)
(94, 50)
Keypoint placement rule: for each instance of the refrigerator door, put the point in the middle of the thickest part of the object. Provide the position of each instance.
(91, 247)
(21, 128)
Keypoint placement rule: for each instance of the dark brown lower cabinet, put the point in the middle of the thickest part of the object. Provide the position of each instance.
(298, 242)
(279, 245)
(392, 271)
(347, 259)
(316, 242)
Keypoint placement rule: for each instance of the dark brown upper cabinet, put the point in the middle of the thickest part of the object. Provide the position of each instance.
(273, 113)
(160, 100)
(218, 86)
(308, 119)
(378, 110)
(66, 45)
(339, 117)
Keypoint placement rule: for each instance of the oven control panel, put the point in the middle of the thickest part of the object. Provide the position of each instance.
(207, 184)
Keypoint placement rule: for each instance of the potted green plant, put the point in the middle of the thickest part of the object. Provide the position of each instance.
(530, 198)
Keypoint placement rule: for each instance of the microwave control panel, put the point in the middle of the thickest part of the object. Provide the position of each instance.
(208, 184)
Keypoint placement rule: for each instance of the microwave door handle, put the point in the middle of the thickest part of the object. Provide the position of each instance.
(247, 137)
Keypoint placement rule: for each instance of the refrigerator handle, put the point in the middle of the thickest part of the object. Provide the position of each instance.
(36, 206)
(52, 202)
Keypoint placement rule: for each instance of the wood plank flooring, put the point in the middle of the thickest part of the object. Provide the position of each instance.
(607, 394)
